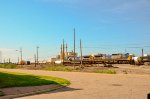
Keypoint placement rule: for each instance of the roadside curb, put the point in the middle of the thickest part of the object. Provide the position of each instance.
(31, 93)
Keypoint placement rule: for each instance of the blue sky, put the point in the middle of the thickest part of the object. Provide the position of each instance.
(105, 26)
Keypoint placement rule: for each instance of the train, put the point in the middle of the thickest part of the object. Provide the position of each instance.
(101, 59)
(142, 60)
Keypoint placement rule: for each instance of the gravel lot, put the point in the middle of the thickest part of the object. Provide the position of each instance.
(95, 86)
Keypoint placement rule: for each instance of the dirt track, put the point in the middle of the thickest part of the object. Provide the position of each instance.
(95, 86)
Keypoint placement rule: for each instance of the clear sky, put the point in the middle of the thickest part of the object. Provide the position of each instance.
(105, 26)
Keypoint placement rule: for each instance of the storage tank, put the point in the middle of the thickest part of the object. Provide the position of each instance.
(137, 60)
(58, 62)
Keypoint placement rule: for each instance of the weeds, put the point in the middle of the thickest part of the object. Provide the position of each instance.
(107, 72)
(10, 66)
(125, 72)
(59, 68)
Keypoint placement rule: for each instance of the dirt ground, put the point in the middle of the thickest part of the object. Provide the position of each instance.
(132, 69)
(121, 69)
(118, 68)
(135, 84)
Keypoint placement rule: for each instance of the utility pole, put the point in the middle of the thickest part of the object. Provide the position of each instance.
(4, 60)
(66, 51)
(37, 55)
(18, 60)
(35, 59)
(21, 55)
(63, 51)
(142, 52)
(9, 60)
(74, 46)
(81, 51)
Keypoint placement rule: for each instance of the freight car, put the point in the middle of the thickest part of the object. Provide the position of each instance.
(112, 59)
(103, 59)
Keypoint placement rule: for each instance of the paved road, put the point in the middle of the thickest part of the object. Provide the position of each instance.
(95, 86)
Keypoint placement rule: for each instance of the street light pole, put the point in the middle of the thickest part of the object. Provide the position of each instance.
(35, 59)
(81, 52)
(21, 54)
(142, 52)
(63, 51)
(74, 46)
(37, 55)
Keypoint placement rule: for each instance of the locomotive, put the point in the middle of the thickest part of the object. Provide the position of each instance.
(101, 59)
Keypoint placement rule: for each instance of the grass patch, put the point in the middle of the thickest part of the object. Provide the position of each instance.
(10, 66)
(77, 69)
(59, 68)
(107, 72)
(8, 79)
